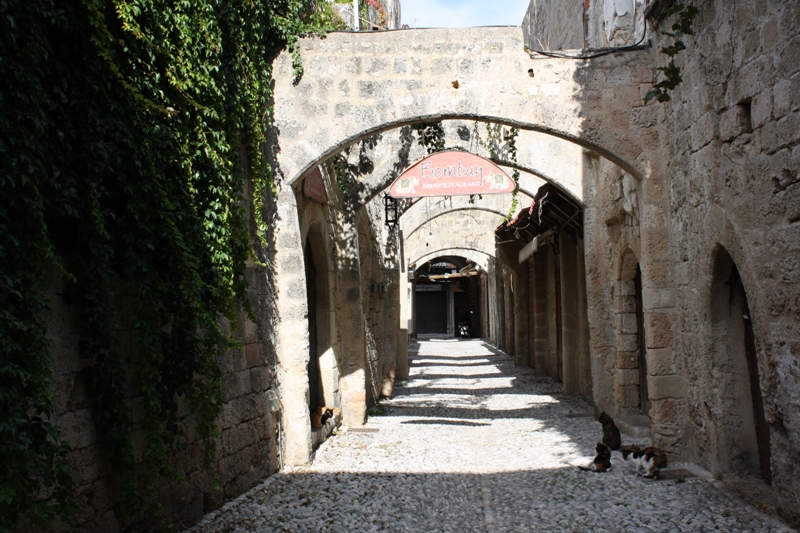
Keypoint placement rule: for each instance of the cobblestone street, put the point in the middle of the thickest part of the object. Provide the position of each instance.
(473, 443)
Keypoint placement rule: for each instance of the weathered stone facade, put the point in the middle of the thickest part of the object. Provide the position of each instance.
(248, 447)
(687, 252)
(717, 206)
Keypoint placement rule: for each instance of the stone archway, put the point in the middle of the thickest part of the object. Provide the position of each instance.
(427, 209)
(739, 426)
(449, 230)
(377, 160)
(357, 85)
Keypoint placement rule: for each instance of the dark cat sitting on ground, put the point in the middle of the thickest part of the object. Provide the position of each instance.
(650, 460)
(602, 461)
(611, 436)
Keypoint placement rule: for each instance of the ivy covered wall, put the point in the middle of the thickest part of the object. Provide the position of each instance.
(129, 133)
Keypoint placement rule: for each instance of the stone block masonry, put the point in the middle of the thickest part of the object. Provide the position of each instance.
(247, 447)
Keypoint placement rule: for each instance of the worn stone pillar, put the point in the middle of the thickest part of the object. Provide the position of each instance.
(517, 301)
(292, 331)
(390, 323)
(485, 301)
(501, 307)
(493, 302)
(352, 325)
(577, 373)
(666, 386)
(403, 297)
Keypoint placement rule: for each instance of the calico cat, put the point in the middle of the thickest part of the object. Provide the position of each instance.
(602, 461)
(316, 418)
(322, 415)
(611, 436)
(650, 460)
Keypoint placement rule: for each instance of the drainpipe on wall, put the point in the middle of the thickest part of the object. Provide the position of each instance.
(356, 16)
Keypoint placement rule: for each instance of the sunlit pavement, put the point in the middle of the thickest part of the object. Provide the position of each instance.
(473, 443)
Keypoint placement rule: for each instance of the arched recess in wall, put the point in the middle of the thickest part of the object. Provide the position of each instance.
(630, 381)
(736, 407)
(323, 366)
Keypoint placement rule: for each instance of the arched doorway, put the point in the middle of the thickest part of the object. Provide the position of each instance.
(632, 397)
(741, 428)
(316, 397)
(447, 297)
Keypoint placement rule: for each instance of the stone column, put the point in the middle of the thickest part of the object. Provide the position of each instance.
(666, 386)
(517, 301)
(390, 322)
(493, 302)
(403, 302)
(292, 330)
(352, 325)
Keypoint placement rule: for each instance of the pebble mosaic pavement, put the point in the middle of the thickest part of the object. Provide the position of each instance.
(472, 443)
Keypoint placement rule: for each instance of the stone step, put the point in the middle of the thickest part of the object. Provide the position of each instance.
(635, 426)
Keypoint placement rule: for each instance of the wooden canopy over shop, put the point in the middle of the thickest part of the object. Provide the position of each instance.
(551, 209)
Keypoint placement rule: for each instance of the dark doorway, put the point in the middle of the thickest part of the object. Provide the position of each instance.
(316, 398)
(644, 397)
(559, 319)
(762, 429)
(432, 311)
(462, 313)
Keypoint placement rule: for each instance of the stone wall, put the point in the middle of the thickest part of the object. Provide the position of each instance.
(615, 23)
(731, 134)
(247, 447)
(553, 25)
(720, 203)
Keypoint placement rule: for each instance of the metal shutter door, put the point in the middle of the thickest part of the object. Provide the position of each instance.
(431, 312)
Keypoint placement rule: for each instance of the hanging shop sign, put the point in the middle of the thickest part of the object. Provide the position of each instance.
(314, 187)
(451, 173)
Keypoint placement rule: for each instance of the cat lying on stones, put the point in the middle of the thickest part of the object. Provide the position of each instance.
(602, 461)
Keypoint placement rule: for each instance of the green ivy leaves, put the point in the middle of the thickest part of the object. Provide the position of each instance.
(672, 73)
(127, 128)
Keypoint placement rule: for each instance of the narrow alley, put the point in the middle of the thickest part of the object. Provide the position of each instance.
(474, 443)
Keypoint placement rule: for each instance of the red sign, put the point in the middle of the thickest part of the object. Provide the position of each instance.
(314, 187)
(451, 174)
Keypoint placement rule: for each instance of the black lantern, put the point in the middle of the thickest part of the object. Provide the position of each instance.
(390, 211)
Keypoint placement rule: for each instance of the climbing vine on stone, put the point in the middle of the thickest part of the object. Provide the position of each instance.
(672, 73)
(430, 135)
(125, 134)
(494, 140)
(379, 8)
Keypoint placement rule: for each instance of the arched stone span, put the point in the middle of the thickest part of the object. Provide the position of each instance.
(480, 257)
(421, 213)
(375, 162)
(359, 84)
(450, 231)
